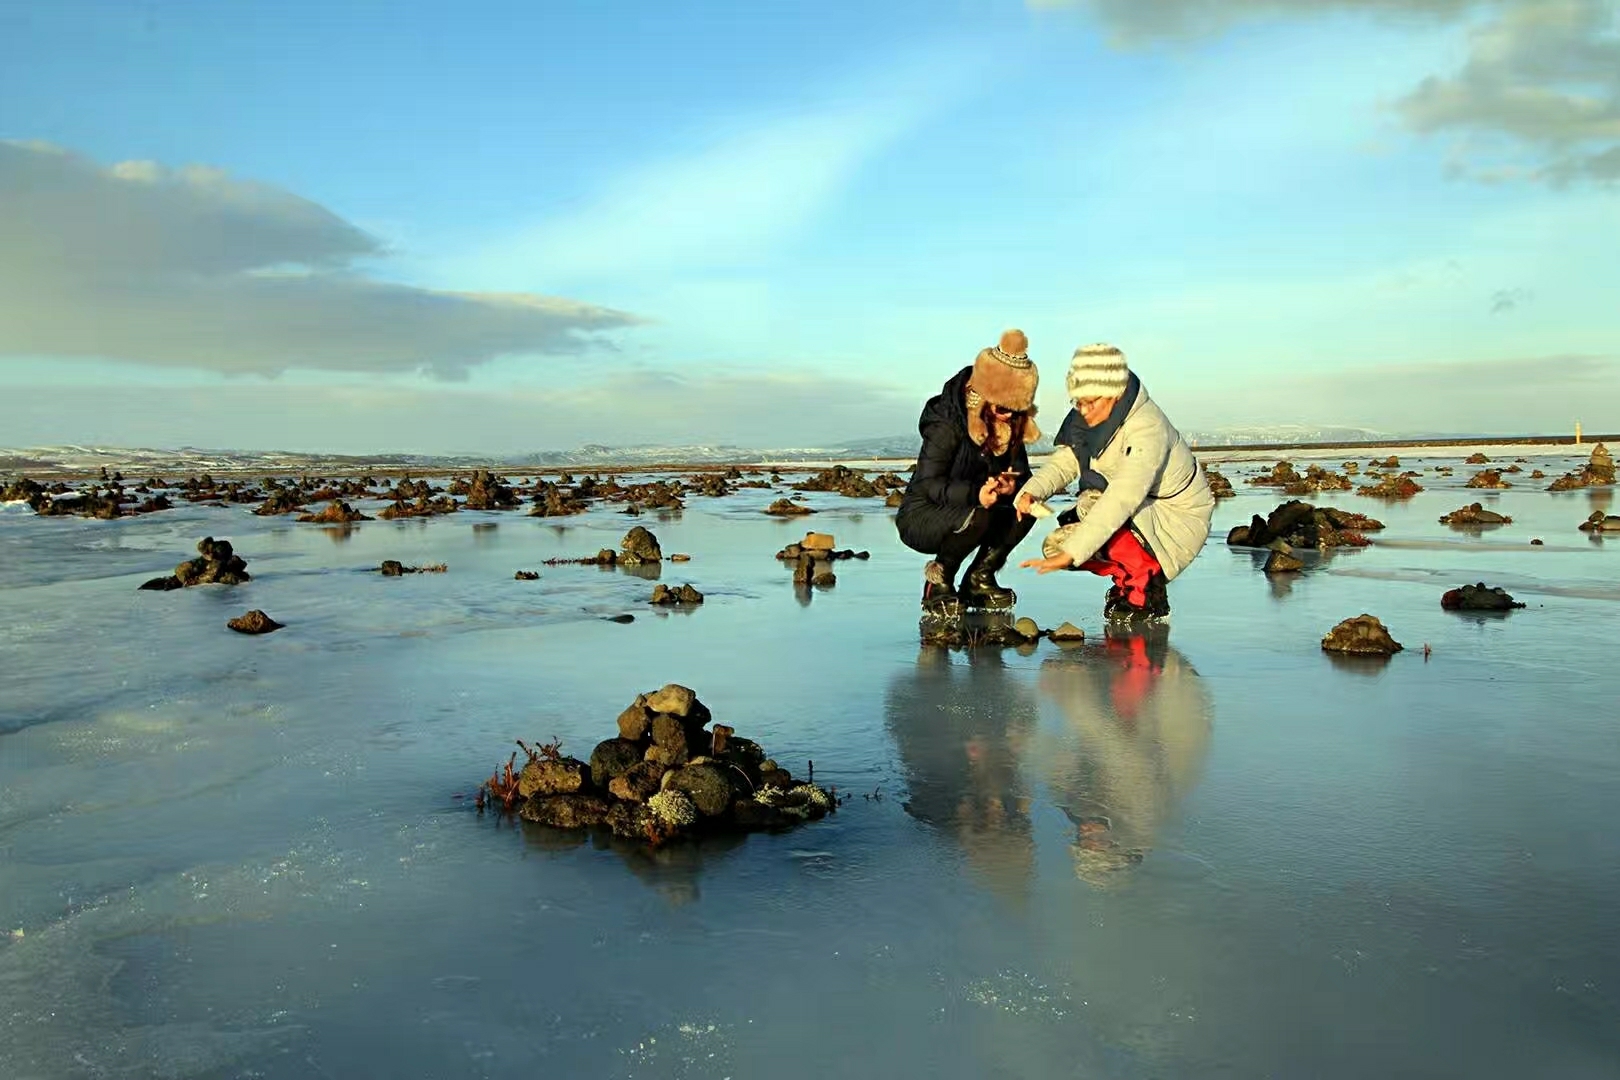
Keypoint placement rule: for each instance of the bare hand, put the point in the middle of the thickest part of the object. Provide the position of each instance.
(988, 493)
(1022, 504)
(1059, 561)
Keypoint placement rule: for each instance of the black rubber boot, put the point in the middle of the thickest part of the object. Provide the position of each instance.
(939, 595)
(1155, 606)
(979, 586)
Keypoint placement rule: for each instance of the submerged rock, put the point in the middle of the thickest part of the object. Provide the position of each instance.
(787, 508)
(526, 575)
(1219, 485)
(1361, 635)
(1280, 562)
(1487, 478)
(1600, 522)
(254, 622)
(1480, 597)
(337, 512)
(665, 596)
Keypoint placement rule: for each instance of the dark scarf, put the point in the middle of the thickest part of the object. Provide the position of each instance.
(1089, 442)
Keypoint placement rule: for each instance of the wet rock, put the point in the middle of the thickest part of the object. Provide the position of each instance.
(1280, 562)
(553, 776)
(1480, 597)
(1219, 485)
(631, 821)
(787, 508)
(424, 506)
(1279, 475)
(639, 546)
(638, 783)
(526, 575)
(1362, 635)
(485, 491)
(674, 699)
(821, 574)
(1600, 522)
(162, 584)
(555, 500)
(680, 557)
(1477, 459)
(395, 568)
(576, 811)
(611, 758)
(815, 541)
(391, 568)
(668, 757)
(1475, 514)
(1067, 632)
(1537, 474)
(673, 809)
(254, 622)
(705, 784)
(1026, 628)
(337, 512)
(1536, 542)
(665, 596)
(635, 723)
(1488, 478)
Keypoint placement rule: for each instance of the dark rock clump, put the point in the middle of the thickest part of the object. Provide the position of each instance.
(1300, 524)
(1600, 522)
(254, 622)
(1598, 471)
(1480, 597)
(1488, 478)
(787, 508)
(1219, 485)
(395, 568)
(639, 546)
(664, 777)
(216, 564)
(1391, 487)
(842, 480)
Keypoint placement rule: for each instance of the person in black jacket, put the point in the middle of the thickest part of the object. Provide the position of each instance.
(974, 458)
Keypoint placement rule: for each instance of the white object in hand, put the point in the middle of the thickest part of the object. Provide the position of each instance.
(1040, 510)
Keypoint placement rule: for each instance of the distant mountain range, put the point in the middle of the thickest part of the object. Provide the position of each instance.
(144, 461)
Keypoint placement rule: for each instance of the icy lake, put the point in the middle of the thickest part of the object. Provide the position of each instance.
(227, 856)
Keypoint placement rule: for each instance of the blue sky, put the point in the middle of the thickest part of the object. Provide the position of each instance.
(499, 227)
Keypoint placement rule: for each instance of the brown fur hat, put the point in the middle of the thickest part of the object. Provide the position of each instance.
(1004, 375)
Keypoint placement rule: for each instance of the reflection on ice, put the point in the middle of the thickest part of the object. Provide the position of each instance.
(1137, 729)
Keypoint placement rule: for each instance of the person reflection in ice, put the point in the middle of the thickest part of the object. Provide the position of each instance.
(961, 725)
(1136, 728)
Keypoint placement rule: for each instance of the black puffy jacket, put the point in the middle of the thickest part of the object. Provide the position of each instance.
(951, 468)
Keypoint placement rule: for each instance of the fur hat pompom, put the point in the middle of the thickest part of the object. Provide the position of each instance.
(1004, 374)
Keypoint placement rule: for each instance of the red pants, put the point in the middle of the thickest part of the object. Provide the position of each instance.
(1125, 560)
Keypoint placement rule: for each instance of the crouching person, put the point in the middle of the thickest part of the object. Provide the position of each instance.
(959, 502)
(1145, 506)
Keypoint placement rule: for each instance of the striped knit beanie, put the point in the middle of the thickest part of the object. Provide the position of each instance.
(1097, 371)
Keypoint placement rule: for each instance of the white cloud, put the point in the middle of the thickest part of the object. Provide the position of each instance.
(1537, 96)
(192, 268)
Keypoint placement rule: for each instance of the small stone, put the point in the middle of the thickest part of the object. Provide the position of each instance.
(668, 757)
(1067, 632)
(254, 622)
(1026, 628)
(706, 785)
(635, 723)
(526, 575)
(612, 757)
(545, 776)
(668, 731)
(721, 733)
(680, 558)
(638, 783)
(1536, 542)
(674, 699)
(392, 568)
(815, 541)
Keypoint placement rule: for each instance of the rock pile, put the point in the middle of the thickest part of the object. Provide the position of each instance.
(842, 480)
(485, 491)
(1480, 597)
(555, 500)
(216, 564)
(1475, 514)
(812, 559)
(666, 775)
(1362, 635)
(1315, 479)
(1598, 470)
(1299, 524)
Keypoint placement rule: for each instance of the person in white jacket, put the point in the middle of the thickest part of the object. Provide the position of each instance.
(1145, 506)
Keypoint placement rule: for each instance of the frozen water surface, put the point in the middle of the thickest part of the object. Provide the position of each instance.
(1216, 852)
